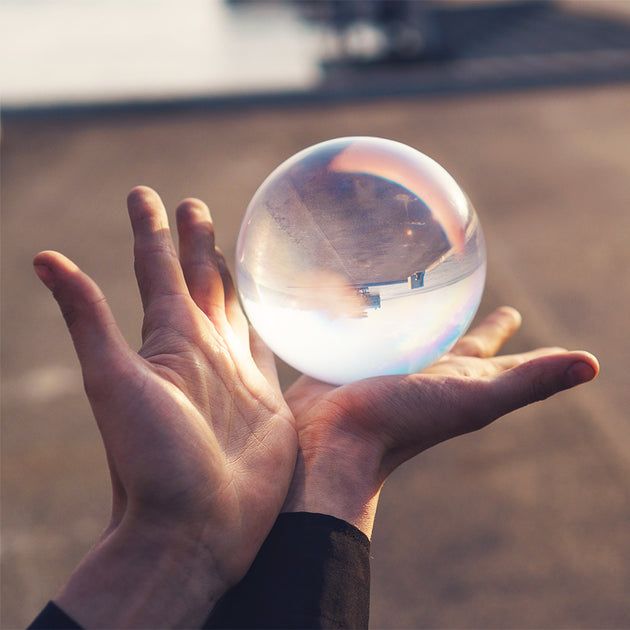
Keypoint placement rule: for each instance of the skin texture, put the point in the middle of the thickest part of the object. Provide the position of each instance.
(203, 449)
(353, 437)
(200, 443)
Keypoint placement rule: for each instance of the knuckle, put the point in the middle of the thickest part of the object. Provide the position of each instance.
(70, 316)
(472, 346)
(540, 388)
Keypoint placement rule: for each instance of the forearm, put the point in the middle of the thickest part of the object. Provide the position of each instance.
(135, 579)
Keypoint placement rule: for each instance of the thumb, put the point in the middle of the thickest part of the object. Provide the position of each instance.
(539, 379)
(95, 335)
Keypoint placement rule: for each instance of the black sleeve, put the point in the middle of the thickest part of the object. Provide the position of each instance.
(313, 571)
(53, 618)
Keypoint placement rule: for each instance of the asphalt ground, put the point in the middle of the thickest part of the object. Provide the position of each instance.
(522, 525)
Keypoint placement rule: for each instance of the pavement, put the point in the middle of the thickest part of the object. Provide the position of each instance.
(522, 525)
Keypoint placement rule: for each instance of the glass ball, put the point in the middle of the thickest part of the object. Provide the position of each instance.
(360, 257)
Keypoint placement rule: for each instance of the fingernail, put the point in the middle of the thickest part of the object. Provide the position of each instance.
(579, 373)
(45, 275)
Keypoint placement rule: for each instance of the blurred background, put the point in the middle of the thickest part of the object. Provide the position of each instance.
(526, 103)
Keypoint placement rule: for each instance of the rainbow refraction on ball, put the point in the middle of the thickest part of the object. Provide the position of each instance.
(360, 257)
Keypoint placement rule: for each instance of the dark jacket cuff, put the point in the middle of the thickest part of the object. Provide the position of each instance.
(313, 571)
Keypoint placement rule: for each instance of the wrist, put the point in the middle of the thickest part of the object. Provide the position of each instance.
(140, 578)
(342, 481)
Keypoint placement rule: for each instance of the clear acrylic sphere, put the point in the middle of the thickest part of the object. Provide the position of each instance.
(360, 257)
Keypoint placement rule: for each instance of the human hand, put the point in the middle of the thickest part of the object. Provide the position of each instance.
(353, 437)
(200, 443)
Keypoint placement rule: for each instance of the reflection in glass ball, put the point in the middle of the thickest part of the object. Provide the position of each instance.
(360, 257)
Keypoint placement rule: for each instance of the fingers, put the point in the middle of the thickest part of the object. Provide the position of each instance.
(496, 365)
(156, 264)
(201, 270)
(198, 257)
(91, 324)
(205, 270)
(537, 379)
(233, 309)
(261, 354)
(486, 339)
(264, 359)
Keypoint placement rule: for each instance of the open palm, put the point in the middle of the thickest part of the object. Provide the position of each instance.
(200, 443)
(374, 425)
